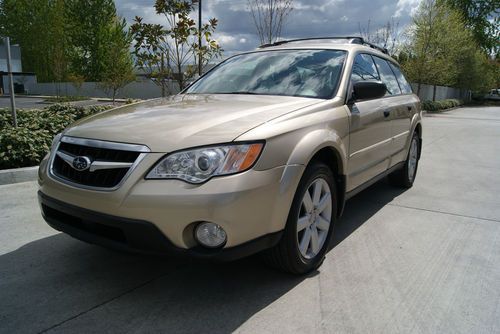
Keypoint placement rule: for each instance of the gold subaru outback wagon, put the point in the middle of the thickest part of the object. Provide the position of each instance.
(258, 155)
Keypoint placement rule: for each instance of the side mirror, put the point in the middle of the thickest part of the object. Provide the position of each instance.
(368, 90)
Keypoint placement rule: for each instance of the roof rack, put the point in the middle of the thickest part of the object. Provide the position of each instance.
(351, 40)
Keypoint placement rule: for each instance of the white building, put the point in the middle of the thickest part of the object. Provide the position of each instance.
(21, 79)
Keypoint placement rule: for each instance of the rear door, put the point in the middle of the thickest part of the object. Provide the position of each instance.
(401, 124)
(398, 105)
(370, 129)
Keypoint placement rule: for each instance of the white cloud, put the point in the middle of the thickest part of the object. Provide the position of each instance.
(226, 39)
(326, 5)
(236, 30)
(408, 7)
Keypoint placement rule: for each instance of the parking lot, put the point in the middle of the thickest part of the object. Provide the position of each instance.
(425, 260)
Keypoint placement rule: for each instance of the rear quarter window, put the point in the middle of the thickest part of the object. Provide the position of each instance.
(403, 83)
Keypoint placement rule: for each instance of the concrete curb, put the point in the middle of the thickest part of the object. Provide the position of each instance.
(17, 175)
(444, 110)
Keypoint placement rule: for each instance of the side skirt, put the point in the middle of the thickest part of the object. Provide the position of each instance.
(374, 180)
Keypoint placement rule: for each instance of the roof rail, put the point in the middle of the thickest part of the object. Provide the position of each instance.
(351, 40)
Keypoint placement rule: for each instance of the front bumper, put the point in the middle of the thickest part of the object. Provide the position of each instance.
(249, 206)
(135, 235)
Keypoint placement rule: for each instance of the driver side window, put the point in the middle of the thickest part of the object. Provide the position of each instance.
(364, 69)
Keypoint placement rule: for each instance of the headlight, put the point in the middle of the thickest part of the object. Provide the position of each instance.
(199, 165)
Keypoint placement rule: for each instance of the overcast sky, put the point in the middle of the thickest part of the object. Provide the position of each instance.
(313, 18)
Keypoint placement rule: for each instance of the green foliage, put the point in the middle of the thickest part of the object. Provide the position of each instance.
(443, 51)
(39, 27)
(436, 106)
(23, 147)
(61, 37)
(89, 26)
(62, 99)
(166, 52)
(118, 65)
(130, 101)
(77, 81)
(27, 144)
(483, 18)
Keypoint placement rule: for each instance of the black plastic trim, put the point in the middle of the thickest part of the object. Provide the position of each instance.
(136, 236)
(374, 180)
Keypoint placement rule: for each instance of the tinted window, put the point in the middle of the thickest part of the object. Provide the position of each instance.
(307, 73)
(364, 69)
(387, 76)
(403, 84)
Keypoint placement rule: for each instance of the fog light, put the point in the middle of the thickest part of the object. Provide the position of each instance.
(210, 235)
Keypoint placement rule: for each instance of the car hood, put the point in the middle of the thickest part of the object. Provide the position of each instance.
(165, 125)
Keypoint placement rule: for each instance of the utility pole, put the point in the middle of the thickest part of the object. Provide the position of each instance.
(11, 84)
(200, 70)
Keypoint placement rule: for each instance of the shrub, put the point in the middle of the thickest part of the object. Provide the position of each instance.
(130, 101)
(23, 147)
(436, 106)
(61, 99)
(27, 144)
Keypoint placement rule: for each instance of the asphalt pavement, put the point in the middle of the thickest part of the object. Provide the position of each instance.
(425, 260)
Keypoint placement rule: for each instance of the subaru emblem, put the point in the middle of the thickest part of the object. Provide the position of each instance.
(81, 163)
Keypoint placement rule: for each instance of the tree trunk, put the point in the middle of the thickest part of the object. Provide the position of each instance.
(162, 75)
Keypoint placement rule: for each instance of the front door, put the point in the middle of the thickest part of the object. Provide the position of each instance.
(370, 129)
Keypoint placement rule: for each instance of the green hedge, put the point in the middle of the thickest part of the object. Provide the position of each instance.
(436, 106)
(62, 99)
(27, 144)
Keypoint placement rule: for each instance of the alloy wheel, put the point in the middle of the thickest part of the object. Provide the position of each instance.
(413, 159)
(314, 218)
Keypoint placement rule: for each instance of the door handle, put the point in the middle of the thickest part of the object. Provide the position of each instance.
(409, 108)
(387, 113)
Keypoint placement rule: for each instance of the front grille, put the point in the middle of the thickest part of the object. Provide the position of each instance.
(102, 178)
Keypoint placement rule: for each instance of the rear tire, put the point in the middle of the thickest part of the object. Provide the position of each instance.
(405, 176)
(310, 223)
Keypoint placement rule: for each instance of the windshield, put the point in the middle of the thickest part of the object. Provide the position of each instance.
(305, 73)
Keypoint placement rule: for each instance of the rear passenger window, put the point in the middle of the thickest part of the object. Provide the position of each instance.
(387, 76)
(364, 69)
(403, 83)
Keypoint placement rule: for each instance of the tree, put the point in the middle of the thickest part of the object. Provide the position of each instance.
(59, 61)
(269, 16)
(88, 26)
(58, 37)
(483, 18)
(387, 36)
(39, 28)
(442, 51)
(118, 64)
(76, 81)
(171, 51)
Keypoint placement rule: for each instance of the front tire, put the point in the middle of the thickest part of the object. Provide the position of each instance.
(405, 176)
(310, 223)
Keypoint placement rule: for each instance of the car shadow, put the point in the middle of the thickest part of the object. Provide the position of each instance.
(363, 206)
(61, 284)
